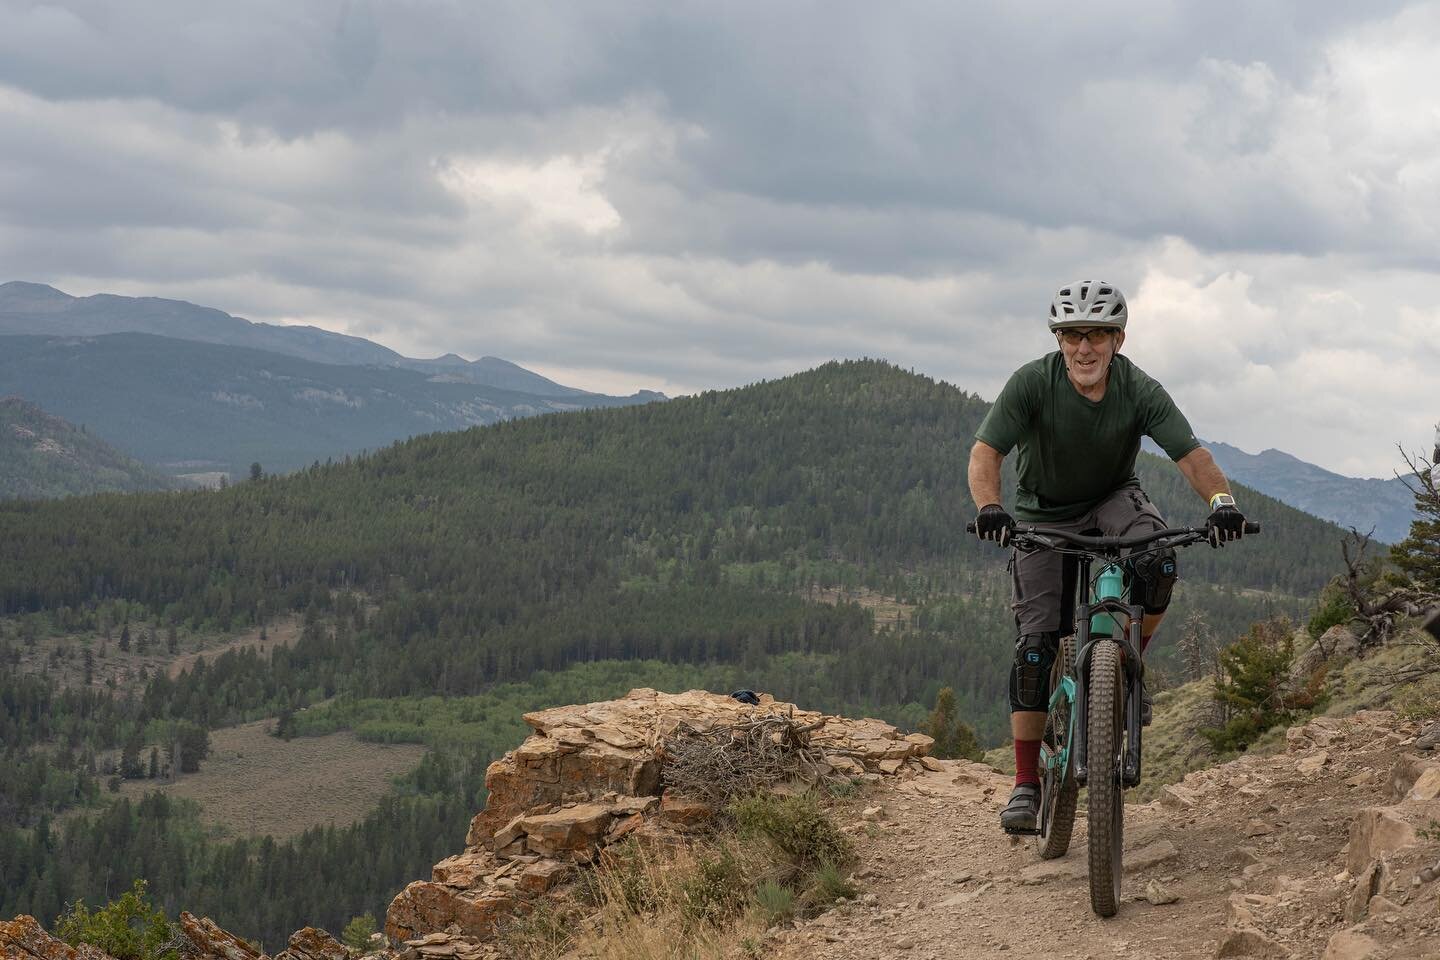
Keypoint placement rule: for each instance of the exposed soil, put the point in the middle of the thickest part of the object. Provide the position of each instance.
(1259, 844)
(253, 784)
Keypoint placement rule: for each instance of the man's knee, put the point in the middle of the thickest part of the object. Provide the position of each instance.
(1154, 576)
(1030, 672)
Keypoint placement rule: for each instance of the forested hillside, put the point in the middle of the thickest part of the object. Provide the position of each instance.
(45, 456)
(711, 534)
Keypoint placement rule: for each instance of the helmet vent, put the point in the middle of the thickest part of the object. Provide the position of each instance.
(1065, 292)
(1084, 291)
(1118, 308)
(1104, 291)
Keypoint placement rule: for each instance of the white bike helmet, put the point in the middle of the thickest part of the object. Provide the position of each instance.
(1088, 303)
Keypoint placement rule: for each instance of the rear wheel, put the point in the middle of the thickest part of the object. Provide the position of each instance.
(1059, 791)
(1105, 813)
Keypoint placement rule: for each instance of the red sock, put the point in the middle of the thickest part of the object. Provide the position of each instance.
(1027, 761)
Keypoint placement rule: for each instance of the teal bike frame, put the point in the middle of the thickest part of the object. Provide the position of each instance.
(1110, 585)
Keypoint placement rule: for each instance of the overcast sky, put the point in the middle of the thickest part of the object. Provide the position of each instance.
(682, 196)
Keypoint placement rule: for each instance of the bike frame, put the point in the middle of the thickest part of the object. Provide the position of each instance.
(1094, 621)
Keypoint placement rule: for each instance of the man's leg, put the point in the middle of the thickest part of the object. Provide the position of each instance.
(1038, 594)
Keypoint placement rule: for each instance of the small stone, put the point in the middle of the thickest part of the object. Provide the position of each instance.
(1427, 787)
(872, 814)
(1258, 828)
(1150, 855)
(1313, 764)
(1352, 945)
(1158, 894)
(904, 943)
(1249, 943)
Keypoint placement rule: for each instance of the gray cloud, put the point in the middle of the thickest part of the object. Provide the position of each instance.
(687, 195)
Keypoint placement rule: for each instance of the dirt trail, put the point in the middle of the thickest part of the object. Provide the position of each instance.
(1258, 846)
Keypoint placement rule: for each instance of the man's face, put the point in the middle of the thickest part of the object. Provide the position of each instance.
(1088, 352)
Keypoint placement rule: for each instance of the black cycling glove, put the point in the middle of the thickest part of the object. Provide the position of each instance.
(1226, 523)
(993, 523)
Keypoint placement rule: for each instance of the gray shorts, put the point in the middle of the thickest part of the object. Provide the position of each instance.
(1040, 595)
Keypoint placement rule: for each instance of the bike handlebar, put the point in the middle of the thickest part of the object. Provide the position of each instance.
(1108, 543)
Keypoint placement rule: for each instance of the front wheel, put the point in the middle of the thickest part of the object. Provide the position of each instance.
(1105, 739)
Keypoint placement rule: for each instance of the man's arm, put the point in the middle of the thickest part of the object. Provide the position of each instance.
(1200, 469)
(985, 463)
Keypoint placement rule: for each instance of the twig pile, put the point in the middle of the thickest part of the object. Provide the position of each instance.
(733, 760)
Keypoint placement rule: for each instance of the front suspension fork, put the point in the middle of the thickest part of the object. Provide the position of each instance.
(1134, 669)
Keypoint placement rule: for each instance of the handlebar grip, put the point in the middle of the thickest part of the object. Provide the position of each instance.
(1251, 526)
(970, 527)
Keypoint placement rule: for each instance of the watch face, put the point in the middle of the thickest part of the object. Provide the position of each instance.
(1223, 500)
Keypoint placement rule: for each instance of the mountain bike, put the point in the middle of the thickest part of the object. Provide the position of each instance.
(1092, 730)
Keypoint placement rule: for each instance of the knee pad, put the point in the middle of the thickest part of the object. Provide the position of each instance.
(1153, 578)
(1030, 674)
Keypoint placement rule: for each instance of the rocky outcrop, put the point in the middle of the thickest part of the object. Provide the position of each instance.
(209, 942)
(24, 939)
(313, 944)
(594, 774)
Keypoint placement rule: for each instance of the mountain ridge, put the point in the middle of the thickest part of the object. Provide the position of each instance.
(37, 309)
(1386, 506)
(211, 407)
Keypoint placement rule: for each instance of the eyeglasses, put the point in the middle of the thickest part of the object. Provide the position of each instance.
(1095, 335)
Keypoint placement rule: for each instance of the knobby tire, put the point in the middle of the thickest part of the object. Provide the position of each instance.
(1059, 792)
(1105, 813)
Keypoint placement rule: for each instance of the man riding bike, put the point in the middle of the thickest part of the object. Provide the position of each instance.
(1076, 417)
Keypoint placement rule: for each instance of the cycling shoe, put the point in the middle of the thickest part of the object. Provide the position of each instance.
(1019, 814)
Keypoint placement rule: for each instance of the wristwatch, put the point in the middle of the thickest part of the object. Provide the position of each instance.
(1221, 500)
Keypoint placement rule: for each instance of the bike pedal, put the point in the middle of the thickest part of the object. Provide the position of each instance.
(1018, 832)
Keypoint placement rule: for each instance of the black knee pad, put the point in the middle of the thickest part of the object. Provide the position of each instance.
(1030, 673)
(1153, 578)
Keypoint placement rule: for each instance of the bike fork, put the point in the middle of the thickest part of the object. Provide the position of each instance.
(1130, 645)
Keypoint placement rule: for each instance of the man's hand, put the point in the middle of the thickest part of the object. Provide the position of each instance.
(993, 523)
(1226, 523)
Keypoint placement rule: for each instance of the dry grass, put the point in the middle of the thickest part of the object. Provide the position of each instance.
(714, 898)
(253, 784)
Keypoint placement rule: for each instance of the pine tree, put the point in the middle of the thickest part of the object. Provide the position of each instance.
(125, 638)
(1418, 555)
(130, 767)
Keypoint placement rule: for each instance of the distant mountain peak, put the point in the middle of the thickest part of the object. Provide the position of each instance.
(34, 309)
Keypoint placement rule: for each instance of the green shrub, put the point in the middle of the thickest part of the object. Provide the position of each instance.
(1334, 609)
(825, 885)
(797, 826)
(127, 929)
(715, 890)
(775, 902)
(1255, 691)
(358, 932)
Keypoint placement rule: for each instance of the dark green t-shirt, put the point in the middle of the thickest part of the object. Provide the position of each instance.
(1075, 452)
